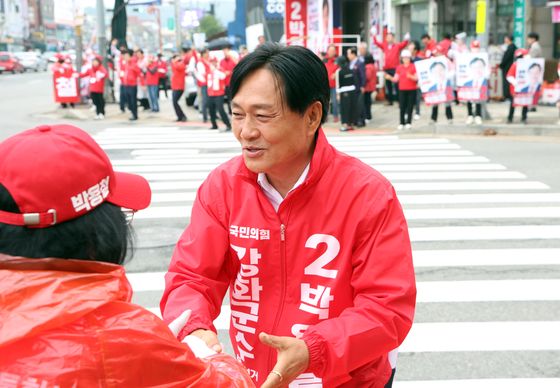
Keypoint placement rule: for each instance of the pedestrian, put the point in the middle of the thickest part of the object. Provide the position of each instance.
(505, 64)
(429, 45)
(332, 67)
(535, 49)
(477, 68)
(96, 75)
(391, 52)
(346, 90)
(445, 74)
(407, 80)
(201, 75)
(413, 47)
(61, 68)
(322, 289)
(163, 76)
(152, 83)
(359, 70)
(67, 316)
(511, 77)
(121, 63)
(142, 63)
(370, 86)
(216, 81)
(226, 65)
(131, 74)
(178, 68)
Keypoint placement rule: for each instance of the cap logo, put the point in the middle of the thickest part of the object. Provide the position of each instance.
(92, 197)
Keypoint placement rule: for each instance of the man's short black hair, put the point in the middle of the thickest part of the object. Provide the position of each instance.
(447, 35)
(354, 50)
(436, 64)
(535, 65)
(477, 59)
(533, 35)
(425, 36)
(300, 75)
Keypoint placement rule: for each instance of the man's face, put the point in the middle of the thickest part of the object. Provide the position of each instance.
(390, 38)
(363, 50)
(439, 73)
(273, 138)
(412, 48)
(226, 52)
(424, 41)
(331, 52)
(350, 55)
(535, 75)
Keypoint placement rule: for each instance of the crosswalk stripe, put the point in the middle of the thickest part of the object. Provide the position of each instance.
(428, 292)
(189, 167)
(482, 383)
(482, 213)
(430, 199)
(482, 336)
(399, 186)
(506, 232)
(485, 257)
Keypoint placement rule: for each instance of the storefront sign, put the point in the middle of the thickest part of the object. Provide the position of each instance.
(519, 23)
(480, 17)
(274, 9)
(296, 22)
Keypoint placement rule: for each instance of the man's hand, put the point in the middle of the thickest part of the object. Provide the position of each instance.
(210, 338)
(293, 359)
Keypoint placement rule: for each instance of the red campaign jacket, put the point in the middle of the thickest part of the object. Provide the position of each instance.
(178, 75)
(96, 77)
(131, 73)
(227, 65)
(392, 52)
(332, 267)
(162, 68)
(70, 323)
(216, 81)
(371, 78)
(152, 75)
(332, 67)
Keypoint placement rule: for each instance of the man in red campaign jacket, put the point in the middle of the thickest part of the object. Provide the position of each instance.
(311, 243)
(332, 67)
(152, 83)
(216, 88)
(178, 69)
(391, 53)
(96, 75)
(130, 81)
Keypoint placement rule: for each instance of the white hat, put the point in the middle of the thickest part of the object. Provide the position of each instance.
(406, 53)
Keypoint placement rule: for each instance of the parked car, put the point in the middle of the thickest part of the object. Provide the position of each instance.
(31, 61)
(8, 62)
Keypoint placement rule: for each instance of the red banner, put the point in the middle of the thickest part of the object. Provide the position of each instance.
(296, 22)
(66, 87)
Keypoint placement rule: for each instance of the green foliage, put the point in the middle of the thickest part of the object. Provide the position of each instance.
(210, 25)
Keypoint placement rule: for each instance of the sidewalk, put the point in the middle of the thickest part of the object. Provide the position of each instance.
(543, 122)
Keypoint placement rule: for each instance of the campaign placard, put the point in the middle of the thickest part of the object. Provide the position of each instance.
(65, 87)
(473, 73)
(434, 78)
(528, 81)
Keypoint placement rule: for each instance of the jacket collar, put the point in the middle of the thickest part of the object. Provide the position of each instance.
(321, 159)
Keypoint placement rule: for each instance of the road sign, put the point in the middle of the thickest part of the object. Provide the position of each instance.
(519, 23)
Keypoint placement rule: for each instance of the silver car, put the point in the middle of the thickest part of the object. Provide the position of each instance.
(31, 61)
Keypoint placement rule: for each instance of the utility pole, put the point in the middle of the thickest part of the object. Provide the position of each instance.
(178, 37)
(102, 43)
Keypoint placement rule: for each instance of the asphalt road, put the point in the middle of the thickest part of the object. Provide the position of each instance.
(487, 252)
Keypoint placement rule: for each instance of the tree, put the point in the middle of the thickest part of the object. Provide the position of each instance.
(210, 25)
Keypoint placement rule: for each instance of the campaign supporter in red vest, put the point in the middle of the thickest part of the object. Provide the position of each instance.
(178, 69)
(130, 82)
(391, 51)
(429, 45)
(96, 75)
(152, 83)
(407, 79)
(511, 77)
(65, 85)
(227, 64)
(332, 67)
(67, 317)
(216, 83)
(163, 76)
(201, 71)
(311, 243)
(445, 44)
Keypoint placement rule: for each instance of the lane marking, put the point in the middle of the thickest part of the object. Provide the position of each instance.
(485, 257)
(482, 213)
(469, 233)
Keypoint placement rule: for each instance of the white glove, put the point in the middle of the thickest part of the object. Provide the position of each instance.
(178, 323)
(198, 346)
(407, 36)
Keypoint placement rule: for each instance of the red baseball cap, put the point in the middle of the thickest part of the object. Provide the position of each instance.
(58, 173)
(520, 52)
(475, 44)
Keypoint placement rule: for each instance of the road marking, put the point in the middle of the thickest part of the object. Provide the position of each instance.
(429, 199)
(468, 233)
(481, 383)
(154, 212)
(482, 213)
(485, 257)
(482, 336)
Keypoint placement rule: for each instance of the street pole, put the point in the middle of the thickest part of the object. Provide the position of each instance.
(102, 43)
(178, 38)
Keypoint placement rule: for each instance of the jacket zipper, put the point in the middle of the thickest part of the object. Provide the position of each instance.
(282, 288)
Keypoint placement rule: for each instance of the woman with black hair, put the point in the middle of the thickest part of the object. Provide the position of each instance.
(66, 317)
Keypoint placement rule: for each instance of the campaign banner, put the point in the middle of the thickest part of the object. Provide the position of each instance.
(66, 88)
(376, 27)
(551, 93)
(434, 80)
(529, 79)
(296, 22)
(473, 74)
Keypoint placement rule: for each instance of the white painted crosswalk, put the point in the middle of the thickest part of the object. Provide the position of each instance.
(485, 239)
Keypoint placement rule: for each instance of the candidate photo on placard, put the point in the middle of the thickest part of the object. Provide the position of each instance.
(529, 78)
(473, 73)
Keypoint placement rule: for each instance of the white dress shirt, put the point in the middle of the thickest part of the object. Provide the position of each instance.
(272, 194)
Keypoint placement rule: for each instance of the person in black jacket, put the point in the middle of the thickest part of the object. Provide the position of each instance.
(346, 90)
(358, 68)
(506, 63)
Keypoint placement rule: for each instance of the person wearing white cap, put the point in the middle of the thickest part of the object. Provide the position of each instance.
(407, 79)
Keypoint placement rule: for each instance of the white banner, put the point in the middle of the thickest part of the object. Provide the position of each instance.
(473, 73)
(434, 80)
